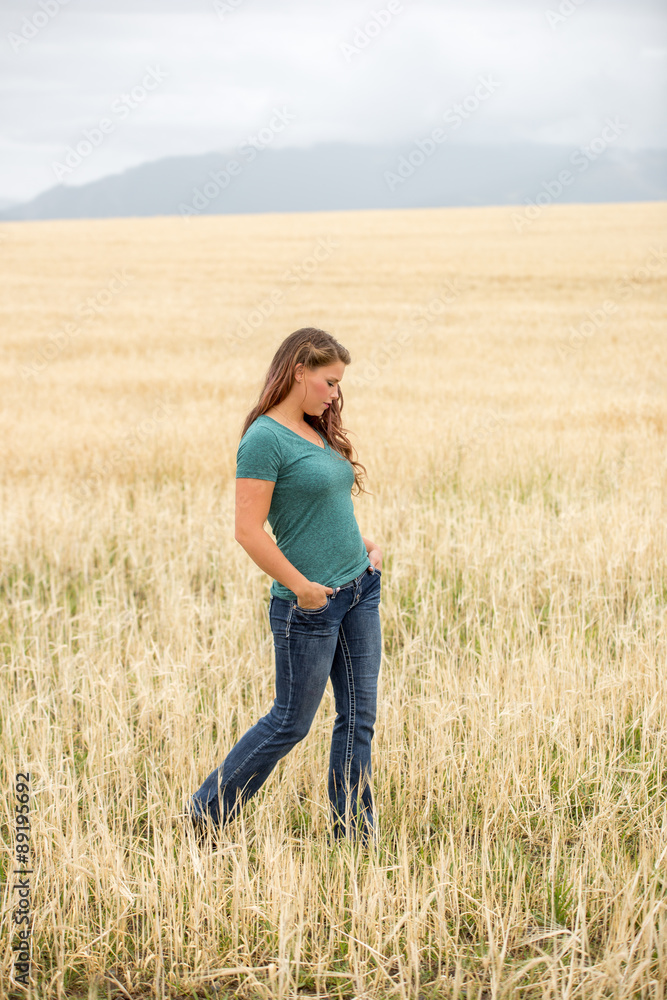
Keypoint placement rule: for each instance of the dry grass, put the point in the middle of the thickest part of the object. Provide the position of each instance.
(519, 480)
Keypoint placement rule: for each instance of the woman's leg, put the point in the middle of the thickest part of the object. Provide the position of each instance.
(304, 649)
(354, 677)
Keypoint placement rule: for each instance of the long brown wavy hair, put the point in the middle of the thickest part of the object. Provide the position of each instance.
(314, 349)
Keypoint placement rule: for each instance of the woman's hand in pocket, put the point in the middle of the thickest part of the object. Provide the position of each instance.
(313, 595)
(375, 556)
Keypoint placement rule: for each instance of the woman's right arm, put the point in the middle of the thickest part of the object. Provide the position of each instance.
(253, 501)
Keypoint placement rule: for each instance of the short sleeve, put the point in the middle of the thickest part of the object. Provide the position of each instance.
(258, 455)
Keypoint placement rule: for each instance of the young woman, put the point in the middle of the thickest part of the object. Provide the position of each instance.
(295, 467)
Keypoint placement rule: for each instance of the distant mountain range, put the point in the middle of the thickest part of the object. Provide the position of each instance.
(332, 176)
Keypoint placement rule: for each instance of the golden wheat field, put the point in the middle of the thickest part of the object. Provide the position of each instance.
(508, 397)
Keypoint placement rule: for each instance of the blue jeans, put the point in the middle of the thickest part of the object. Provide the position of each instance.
(341, 640)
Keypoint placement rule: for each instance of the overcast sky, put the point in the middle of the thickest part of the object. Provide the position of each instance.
(179, 77)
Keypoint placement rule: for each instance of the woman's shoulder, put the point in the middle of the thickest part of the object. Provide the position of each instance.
(261, 429)
(259, 453)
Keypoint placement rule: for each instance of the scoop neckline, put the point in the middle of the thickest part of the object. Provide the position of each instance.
(321, 447)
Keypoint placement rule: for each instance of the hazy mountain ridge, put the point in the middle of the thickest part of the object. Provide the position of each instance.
(334, 176)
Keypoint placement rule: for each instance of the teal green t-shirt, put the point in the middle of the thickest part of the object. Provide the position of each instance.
(311, 514)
